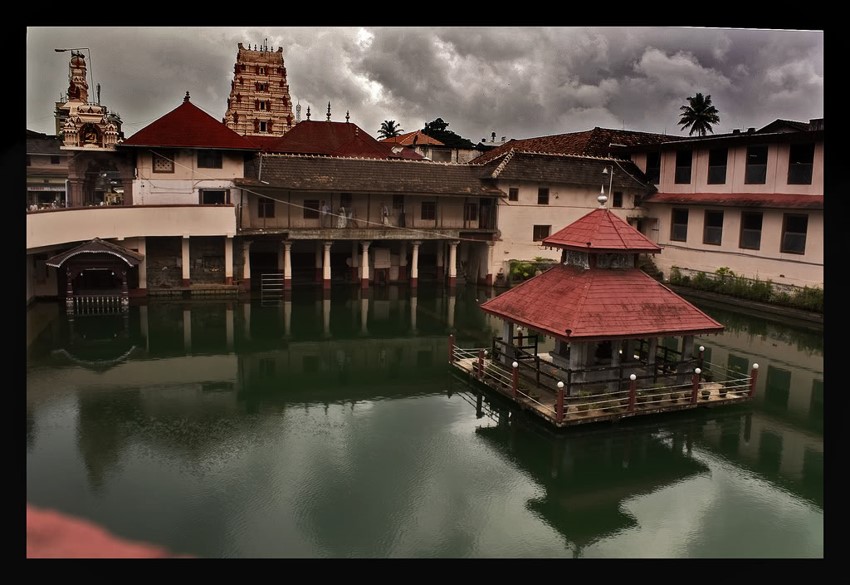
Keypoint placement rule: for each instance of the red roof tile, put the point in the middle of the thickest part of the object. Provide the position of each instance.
(769, 200)
(574, 304)
(601, 231)
(327, 138)
(413, 138)
(188, 126)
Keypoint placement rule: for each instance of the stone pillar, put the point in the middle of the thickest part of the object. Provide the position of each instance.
(488, 269)
(414, 266)
(364, 266)
(287, 265)
(228, 259)
(402, 261)
(578, 360)
(355, 263)
(650, 358)
(326, 266)
(141, 245)
(452, 264)
(187, 262)
(687, 347)
(441, 253)
(507, 337)
(319, 258)
(246, 264)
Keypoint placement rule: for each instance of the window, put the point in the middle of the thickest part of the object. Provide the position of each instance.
(262, 126)
(261, 70)
(618, 199)
(541, 232)
(470, 212)
(756, 173)
(717, 166)
(265, 207)
(794, 228)
(209, 159)
(750, 230)
(261, 105)
(429, 210)
(713, 230)
(311, 209)
(653, 167)
(163, 163)
(214, 196)
(513, 194)
(54, 160)
(543, 196)
(683, 167)
(800, 162)
(679, 225)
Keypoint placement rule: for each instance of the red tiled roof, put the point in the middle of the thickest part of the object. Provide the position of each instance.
(768, 200)
(327, 138)
(596, 142)
(574, 304)
(413, 138)
(601, 231)
(188, 126)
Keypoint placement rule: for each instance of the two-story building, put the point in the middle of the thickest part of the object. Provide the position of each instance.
(749, 201)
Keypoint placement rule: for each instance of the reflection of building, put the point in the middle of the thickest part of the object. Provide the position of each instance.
(587, 478)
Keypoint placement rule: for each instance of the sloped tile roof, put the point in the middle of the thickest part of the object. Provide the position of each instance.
(38, 143)
(596, 142)
(413, 139)
(97, 246)
(601, 231)
(574, 304)
(763, 200)
(330, 139)
(188, 126)
(571, 169)
(322, 173)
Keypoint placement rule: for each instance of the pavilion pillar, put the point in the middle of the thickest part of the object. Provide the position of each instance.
(319, 271)
(507, 338)
(414, 266)
(326, 266)
(246, 264)
(402, 261)
(578, 360)
(687, 354)
(287, 265)
(488, 269)
(452, 264)
(141, 248)
(653, 349)
(364, 266)
(228, 259)
(355, 263)
(187, 263)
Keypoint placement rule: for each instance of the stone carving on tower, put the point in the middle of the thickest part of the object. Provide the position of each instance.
(259, 102)
(81, 123)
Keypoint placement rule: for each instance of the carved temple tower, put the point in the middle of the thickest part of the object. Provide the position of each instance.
(259, 102)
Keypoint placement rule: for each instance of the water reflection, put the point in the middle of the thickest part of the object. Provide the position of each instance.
(341, 405)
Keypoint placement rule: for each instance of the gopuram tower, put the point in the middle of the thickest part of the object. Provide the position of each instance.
(259, 102)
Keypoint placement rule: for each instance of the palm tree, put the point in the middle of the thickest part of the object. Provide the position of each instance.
(700, 115)
(389, 129)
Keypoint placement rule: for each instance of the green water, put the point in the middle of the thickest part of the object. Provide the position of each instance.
(332, 426)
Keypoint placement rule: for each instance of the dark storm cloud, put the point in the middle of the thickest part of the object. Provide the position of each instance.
(514, 81)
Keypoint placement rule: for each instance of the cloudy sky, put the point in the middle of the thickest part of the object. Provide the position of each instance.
(518, 82)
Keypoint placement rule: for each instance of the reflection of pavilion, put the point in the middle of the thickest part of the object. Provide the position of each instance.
(587, 476)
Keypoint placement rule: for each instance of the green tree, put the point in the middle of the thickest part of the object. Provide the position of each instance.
(389, 129)
(699, 115)
(437, 129)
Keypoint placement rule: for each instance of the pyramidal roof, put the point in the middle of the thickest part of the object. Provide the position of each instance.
(601, 230)
(188, 126)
